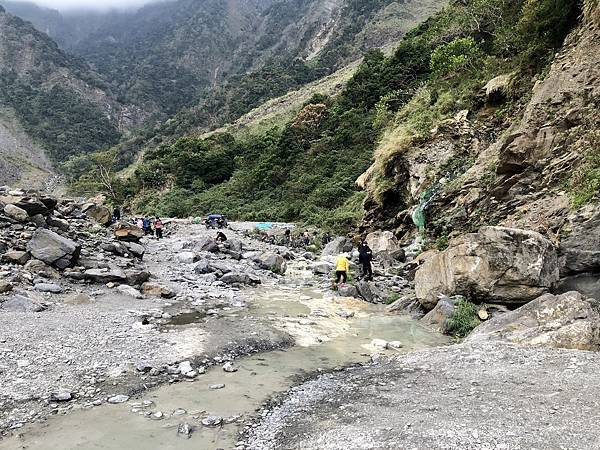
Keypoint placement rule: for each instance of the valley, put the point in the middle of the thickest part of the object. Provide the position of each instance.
(406, 246)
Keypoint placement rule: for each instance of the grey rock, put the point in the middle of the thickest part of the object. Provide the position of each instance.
(121, 398)
(136, 277)
(16, 257)
(55, 222)
(239, 278)
(33, 206)
(499, 265)
(273, 262)
(135, 249)
(129, 291)
(580, 251)
(21, 303)
(229, 367)
(104, 275)
(335, 247)
(212, 421)
(187, 257)
(216, 386)
(323, 268)
(16, 213)
(348, 290)
(438, 317)
(61, 396)
(48, 287)
(586, 283)
(5, 287)
(53, 249)
(203, 267)
(185, 367)
(185, 430)
(42, 269)
(570, 320)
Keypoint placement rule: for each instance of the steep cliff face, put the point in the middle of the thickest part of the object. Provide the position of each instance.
(531, 169)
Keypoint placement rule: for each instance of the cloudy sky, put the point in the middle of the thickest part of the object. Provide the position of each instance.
(64, 5)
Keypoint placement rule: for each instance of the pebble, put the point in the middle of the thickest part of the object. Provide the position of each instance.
(118, 399)
(229, 367)
(216, 386)
(212, 421)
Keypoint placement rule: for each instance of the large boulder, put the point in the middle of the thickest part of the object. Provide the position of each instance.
(53, 249)
(135, 249)
(100, 214)
(323, 268)
(383, 241)
(580, 251)
(499, 265)
(16, 213)
(127, 232)
(208, 244)
(438, 317)
(570, 320)
(42, 269)
(273, 262)
(33, 206)
(187, 257)
(335, 247)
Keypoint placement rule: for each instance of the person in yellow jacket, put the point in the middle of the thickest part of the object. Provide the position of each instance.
(342, 267)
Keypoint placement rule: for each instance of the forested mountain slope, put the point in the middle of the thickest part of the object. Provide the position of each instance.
(169, 55)
(51, 101)
(415, 124)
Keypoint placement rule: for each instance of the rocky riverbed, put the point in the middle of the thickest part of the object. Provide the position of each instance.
(222, 327)
(111, 339)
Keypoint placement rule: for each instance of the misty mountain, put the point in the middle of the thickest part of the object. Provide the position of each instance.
(170, 55)
(51, 102)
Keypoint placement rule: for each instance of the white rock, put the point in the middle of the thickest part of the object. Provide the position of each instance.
(118, 399)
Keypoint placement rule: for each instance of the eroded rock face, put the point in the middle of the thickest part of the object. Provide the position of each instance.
(53, 249)
(499, 265)
(570, 320)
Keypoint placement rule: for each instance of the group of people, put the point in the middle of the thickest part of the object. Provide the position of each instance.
(151, 227)
(365, 259)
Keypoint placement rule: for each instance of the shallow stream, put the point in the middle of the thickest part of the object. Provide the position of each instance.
(326, 338)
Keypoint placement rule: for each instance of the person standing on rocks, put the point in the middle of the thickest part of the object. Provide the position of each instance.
(158, 228)
(116, 214)
(140, 223)
(342, 267)
(365, 256)
(147, 227)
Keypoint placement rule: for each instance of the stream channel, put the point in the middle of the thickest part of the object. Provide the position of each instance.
(324, 341)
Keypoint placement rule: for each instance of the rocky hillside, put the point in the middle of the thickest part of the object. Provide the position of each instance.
(522, 152)
(53, 105)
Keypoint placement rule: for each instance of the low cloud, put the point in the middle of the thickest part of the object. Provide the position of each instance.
(97, 5)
